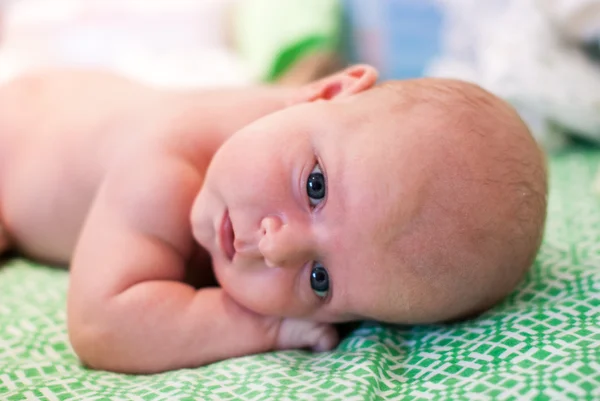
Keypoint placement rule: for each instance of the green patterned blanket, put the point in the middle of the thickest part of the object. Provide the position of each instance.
(543, 343)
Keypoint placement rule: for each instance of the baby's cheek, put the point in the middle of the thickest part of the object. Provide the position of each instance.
(262, 292)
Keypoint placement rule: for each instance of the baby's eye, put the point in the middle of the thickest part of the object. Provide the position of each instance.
(315, 186)
(319, 280)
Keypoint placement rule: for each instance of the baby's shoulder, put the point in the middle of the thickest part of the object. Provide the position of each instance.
(190, 136)
(152, 192)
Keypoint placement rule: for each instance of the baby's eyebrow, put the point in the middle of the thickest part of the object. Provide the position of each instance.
(336, 181)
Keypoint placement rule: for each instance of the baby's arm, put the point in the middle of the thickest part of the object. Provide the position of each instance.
(128, 309)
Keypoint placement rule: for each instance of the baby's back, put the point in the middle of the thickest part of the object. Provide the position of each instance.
(58, 134)
(62, 131)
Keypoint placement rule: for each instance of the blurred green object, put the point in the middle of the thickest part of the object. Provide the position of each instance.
(272, 35)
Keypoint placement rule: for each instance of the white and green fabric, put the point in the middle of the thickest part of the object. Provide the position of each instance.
(543, 343)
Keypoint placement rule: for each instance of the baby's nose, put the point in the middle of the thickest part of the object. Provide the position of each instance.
(284, 245)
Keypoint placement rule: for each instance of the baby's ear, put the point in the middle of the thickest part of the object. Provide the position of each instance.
(352, 80)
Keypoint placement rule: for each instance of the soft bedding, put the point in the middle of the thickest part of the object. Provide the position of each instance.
(543, 343)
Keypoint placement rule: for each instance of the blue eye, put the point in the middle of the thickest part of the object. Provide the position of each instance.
(315, 186)
(319, 280)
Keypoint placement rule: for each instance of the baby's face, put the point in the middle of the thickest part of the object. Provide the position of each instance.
(411, 203)
(297, 210)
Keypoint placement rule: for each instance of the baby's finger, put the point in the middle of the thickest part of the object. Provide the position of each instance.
(326, 338)
(295, 333)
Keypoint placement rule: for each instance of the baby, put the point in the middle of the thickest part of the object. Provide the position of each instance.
(406, 202)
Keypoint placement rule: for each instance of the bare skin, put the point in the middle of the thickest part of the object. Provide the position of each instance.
(65, 160)
(408, 202)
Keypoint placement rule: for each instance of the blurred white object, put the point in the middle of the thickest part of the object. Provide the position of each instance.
(530, 53)
(174, 43)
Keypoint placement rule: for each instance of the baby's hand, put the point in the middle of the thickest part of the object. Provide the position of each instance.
(296, 333)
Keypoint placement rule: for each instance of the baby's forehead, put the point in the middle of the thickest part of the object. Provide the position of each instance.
(378, 213)
(420, 176)
(368, 285)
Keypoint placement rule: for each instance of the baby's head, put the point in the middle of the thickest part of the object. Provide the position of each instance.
(410, 202)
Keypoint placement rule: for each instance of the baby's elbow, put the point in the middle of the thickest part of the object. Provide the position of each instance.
(94, 345)
(99, 346)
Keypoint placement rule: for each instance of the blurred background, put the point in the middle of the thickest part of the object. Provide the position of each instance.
(541, 55)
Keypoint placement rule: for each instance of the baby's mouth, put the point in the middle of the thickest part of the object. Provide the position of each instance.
(227, 237)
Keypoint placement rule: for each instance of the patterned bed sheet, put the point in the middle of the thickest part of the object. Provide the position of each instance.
(542, 343)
